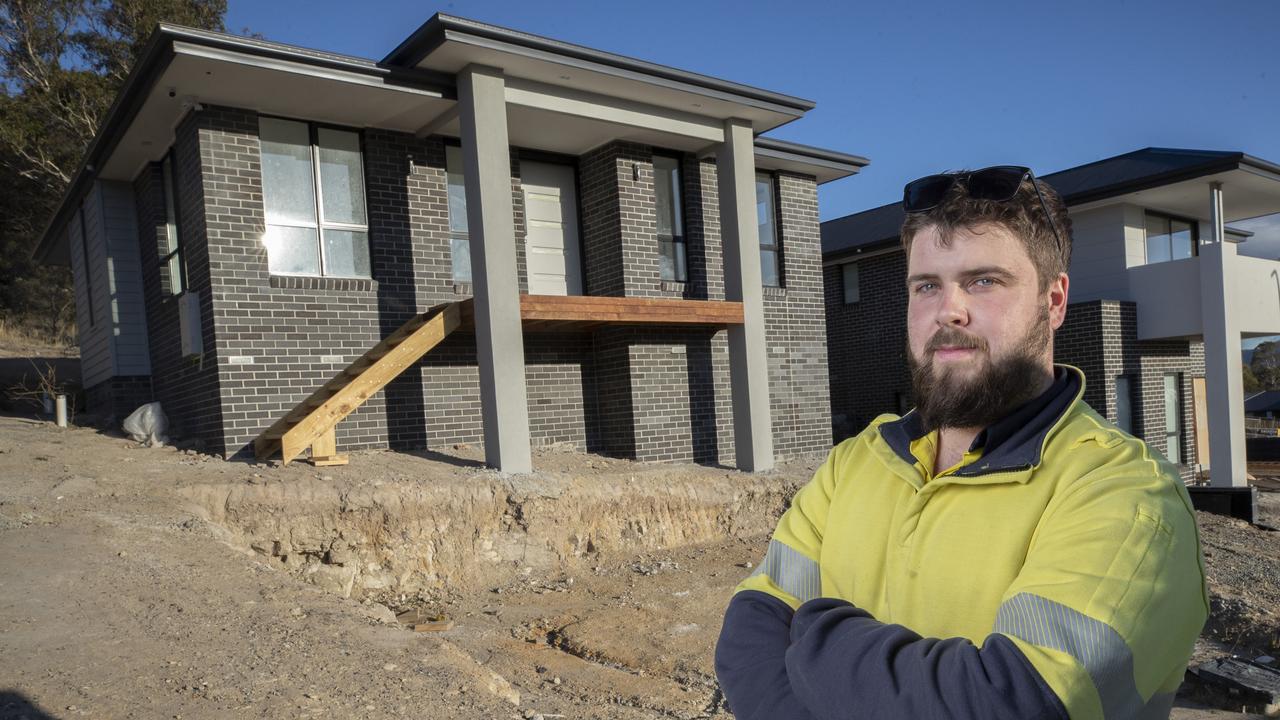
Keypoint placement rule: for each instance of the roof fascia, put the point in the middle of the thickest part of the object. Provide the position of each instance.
(441, 28)
(782, 149)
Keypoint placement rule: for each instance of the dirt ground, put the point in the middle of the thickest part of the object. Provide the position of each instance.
(160, 583)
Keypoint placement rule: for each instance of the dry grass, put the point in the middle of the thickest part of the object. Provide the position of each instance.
(20, 338)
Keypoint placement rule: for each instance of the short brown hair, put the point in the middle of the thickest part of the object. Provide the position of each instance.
(1023, 215)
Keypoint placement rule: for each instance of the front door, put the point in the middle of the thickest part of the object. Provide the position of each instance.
(552, 252)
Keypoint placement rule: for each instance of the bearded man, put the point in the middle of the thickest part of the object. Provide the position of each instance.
(1001, 551)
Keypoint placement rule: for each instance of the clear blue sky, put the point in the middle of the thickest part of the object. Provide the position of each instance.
(918, 86)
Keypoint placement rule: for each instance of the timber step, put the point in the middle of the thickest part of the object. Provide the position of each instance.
(311, 422)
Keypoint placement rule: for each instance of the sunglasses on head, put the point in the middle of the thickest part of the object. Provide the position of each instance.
(998, 183)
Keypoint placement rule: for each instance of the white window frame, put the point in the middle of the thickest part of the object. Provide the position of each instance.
(320, 224)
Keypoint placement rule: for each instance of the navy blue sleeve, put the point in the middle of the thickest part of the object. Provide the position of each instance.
(751, 659)
(843, 663)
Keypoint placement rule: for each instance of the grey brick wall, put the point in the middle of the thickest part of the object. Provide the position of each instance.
(188, 390)
(867, 343)
(652, 394)
(118, 396)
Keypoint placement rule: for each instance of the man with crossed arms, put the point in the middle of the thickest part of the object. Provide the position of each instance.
(1001, 551)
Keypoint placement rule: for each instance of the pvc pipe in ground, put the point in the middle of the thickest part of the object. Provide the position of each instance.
(62, 410)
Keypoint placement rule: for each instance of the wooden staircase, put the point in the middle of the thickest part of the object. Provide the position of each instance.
(311, 423)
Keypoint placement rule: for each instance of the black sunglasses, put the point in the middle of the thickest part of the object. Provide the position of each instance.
(998, 183)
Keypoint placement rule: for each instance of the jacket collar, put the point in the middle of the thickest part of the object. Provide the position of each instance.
(1012, 443)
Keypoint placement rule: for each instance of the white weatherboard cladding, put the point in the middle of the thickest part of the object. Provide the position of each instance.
(553, 252)
(113, 337)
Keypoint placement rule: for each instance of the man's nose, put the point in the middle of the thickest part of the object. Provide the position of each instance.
(954, 308)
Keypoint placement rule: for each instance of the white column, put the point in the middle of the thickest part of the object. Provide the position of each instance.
(1224, 381)
(748, 358)
(499, 340)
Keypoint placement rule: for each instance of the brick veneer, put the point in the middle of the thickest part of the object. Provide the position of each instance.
(647, 393)
(869, 372)
(187, 388)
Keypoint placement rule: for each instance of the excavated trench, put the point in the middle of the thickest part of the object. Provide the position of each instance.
(393, 539)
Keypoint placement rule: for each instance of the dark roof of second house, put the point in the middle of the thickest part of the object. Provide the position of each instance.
(1265, 401)
(1138, 170)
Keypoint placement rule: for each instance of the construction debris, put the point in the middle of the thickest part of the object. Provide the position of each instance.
(1254, 685)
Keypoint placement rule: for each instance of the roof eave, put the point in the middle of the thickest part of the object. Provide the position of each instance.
(435, 32)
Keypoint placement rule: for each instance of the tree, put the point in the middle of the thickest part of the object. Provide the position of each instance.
(1266, 365)
(61, 64)
(1251, 384)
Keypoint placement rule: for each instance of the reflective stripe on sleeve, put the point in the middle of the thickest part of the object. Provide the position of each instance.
(791, 571)
(1095, 645)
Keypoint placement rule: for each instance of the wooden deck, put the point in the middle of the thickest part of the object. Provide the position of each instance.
(581, 313)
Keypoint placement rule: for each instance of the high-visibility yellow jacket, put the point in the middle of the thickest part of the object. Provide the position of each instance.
(1055, 572)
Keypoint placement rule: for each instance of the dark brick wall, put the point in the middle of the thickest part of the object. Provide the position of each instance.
(1100, 337)
(652, 394)
(118, 396)
(867, 343)
(187, 389)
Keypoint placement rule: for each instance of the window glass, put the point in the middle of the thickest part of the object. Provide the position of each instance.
(172, 258)
(670, 219)
(346, 253)
(769, 267)
(1124, 407)
(459, 241)
(1180, 239)
(171, 215)
(341, 176)
(849, 273)
(288, 192)
(765, 218)
(457, 189)
(1173, 449)
(1157, 239)
(666, 178)
(292, 250)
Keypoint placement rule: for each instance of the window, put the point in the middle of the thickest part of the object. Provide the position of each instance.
(171, 261)
(1172, 425)
(459, 238)
(770, 268)
(1170, 238)
(1124, 406)
(313, 193)
(849, 276)
(670, 211)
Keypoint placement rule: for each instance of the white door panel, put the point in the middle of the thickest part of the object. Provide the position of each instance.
(552, 252)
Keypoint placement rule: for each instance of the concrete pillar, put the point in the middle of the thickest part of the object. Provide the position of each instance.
(1224, 381)
(748, 358)
(499, 340)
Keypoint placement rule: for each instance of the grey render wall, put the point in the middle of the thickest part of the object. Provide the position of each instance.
(648, 393)
(870, 375)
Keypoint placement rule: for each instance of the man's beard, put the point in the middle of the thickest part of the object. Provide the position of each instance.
(945, 400)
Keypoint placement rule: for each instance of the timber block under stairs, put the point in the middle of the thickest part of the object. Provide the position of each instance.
(311, 423)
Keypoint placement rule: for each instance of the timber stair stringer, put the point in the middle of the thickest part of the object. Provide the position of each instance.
(311, 422)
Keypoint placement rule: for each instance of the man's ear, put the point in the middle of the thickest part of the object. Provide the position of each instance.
(1057, 298)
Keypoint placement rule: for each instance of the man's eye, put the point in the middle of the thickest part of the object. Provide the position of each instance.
(985, 282)
(923, 288)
